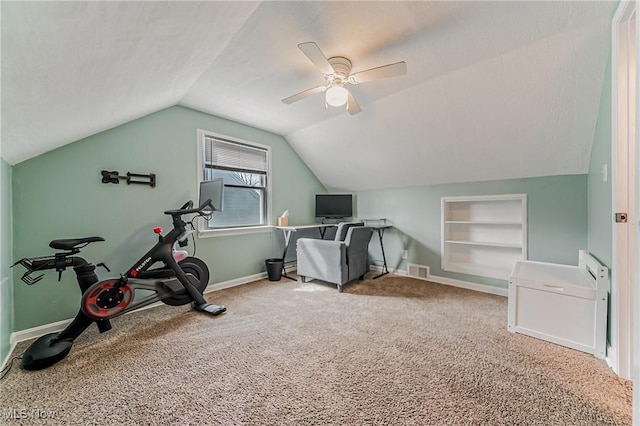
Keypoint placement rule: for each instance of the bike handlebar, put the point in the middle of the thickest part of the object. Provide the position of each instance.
(186, 209)
(59, 262)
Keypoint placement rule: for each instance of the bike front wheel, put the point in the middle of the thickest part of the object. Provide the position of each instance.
(198, 274)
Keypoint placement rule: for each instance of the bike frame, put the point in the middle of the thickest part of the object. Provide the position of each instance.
(140, 272)
(170, 283)
(115, 293)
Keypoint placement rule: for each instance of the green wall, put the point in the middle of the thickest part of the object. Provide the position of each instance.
(600, 201)
(600, 216)
(6, 282)
(60, 195)
(557, 220)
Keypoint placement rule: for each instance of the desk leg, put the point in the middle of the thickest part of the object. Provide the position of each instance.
(287, 238)
(322, 231)
(385, 270)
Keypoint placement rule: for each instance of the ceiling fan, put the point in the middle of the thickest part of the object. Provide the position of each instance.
(337, 73)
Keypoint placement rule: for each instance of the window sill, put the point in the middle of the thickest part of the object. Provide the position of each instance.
(226, 232)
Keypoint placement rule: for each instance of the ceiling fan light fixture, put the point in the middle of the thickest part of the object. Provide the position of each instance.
(337, 73)
(336, 96)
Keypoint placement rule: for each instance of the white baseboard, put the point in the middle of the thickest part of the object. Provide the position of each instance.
(469, 285)
(6, 292)
(8, 357)
(35, 332)
(41, 330)
(452, 282)
(236, 282)
(610, 358)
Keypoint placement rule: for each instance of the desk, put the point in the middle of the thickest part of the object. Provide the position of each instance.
(287, 230)
(380, 230)
(379, 225)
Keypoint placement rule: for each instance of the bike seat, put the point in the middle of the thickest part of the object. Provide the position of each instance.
(71, 243)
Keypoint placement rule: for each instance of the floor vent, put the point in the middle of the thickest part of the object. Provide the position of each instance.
(418, 271)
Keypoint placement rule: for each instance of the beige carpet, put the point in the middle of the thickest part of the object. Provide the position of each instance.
(394, 351)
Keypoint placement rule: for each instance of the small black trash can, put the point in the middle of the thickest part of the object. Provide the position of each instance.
(274, 269)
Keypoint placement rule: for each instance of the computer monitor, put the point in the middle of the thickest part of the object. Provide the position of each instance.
(212, 190)
(334, 205)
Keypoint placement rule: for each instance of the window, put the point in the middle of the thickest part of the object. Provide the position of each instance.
(245, 169)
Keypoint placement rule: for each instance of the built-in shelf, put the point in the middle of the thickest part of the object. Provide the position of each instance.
(479, 222)
(484, 243)
(484, 235)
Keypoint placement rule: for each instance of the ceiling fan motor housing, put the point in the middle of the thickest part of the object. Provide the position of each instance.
(337, 73)
(342, 68)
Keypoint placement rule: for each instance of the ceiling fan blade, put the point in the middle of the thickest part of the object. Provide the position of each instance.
(352, 105)
(391, 70)
(316, 56)
(305, 94)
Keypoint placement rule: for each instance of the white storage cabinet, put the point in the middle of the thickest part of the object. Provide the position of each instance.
(562, 304)
(484, 235)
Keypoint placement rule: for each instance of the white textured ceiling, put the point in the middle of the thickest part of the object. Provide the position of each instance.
(494, 90)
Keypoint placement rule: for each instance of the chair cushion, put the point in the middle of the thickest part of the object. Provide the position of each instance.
(343, 228)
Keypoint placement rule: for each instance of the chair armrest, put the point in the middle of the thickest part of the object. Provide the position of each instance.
(322, 259)
(326, 249)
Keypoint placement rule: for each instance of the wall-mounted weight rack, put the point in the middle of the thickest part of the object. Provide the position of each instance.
(114, 177)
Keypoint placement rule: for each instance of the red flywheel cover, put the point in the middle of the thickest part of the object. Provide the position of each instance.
(91, 305)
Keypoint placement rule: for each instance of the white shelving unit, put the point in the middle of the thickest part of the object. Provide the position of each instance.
(484, 235)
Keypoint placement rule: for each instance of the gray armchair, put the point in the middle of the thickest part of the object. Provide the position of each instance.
(337, 262)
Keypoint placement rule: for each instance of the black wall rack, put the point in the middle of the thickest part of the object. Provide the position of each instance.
(114, 177)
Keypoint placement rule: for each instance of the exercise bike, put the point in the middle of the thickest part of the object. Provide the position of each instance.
(180, 279)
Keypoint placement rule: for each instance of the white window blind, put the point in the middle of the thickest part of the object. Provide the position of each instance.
(232, 155)
(245, 168)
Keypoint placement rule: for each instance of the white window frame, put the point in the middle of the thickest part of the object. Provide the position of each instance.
(203, 231)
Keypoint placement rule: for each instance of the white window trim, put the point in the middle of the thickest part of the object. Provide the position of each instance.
(225, 232)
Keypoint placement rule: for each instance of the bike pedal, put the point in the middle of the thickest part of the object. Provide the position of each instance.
(172, 285)
(210, 308)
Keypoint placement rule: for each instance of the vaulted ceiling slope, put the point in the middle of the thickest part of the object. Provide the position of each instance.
(494, 90)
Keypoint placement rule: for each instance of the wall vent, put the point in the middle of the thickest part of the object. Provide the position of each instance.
(418, 271)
